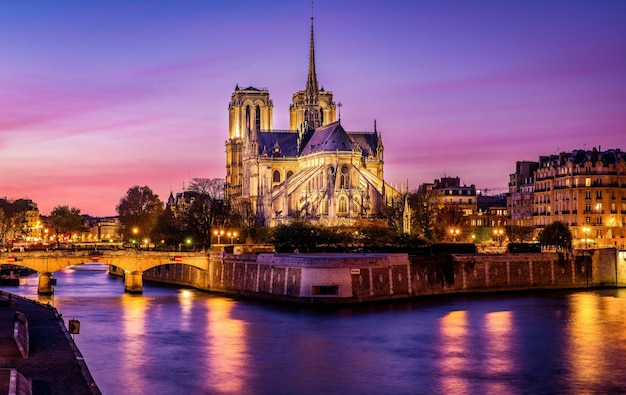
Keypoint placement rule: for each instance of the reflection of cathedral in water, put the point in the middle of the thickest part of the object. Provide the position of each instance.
(316, 170)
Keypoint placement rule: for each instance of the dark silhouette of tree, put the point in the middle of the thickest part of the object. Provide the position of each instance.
(520, 234)
(65, 221)
(169, 231)
(207, 211)
(138, 211)
(557, 235)
(426, 207)
(297, 236)
(451, 225)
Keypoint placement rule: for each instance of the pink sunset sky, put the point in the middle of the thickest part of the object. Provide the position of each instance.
(96, 97)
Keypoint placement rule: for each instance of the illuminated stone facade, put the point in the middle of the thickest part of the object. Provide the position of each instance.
(316, 170)
(585, 189)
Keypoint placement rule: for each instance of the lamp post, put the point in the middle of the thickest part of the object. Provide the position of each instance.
(586, 231)
(232, 236)
(135, 231)
(498, 233)
(454, 232)
(219, 233)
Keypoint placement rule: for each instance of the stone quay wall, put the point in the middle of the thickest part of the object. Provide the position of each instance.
(356, 278)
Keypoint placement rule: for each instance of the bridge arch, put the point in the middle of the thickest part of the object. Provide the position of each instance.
(132, 262)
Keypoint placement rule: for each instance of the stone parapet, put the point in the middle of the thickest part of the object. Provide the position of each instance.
(356, 278)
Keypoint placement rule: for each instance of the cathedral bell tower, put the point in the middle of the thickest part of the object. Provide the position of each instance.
(249, 112)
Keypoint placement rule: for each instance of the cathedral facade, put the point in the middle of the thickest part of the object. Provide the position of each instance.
(314, 171)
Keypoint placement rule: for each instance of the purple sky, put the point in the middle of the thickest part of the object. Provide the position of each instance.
(96, 97)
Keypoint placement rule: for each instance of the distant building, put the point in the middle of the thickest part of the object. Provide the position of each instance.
(520, 199)
(586, 189)
(101, 229)
(33, 228)
(316, 170)
(491, 212)
(452, 195)
(181, 202)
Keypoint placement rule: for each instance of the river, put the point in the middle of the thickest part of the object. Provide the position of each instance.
(183, 341)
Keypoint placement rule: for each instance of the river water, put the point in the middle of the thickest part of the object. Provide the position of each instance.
(182, 341)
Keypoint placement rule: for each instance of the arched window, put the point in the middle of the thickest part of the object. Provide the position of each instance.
(289, 174)
(247, 118)
(276, 176)
(343, 205)
(344, 180)
(257, 118)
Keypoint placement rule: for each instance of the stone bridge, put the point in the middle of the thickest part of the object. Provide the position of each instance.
(132, 262)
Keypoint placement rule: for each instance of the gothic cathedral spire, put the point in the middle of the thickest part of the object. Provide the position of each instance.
(312, 89)
(312, 107)
(312, 115)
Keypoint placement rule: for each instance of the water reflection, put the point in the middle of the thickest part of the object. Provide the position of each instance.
(185, 298)
(226, 347)
(499, 358)
(134, 347)
(453, 352)
(170, 341)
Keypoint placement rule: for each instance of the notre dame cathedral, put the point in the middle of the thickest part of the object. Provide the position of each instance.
(316, 170)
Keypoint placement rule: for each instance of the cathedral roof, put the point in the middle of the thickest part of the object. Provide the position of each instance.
(333, 137)
(367, 142)
(287, 143)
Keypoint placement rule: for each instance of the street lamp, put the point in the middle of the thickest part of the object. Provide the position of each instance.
(219, 233)
(232, 235)
(455, 232)
(498, 233)
(586, 231)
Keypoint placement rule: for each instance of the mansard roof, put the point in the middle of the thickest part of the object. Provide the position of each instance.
(608, 157)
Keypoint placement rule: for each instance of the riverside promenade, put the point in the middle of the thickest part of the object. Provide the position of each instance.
(37, 353)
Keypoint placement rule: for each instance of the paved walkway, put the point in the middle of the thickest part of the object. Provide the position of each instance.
(55, 366)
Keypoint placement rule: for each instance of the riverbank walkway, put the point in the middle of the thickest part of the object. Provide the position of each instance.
(39, 354)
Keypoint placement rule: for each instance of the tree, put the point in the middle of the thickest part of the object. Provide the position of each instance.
(138, 211)
(451, 225)
(5, 226)
(520, 234)
(557, 235)
(208, 210)
(425, 207)
(394, 213)
(13, 220)
(297, 236)
(65, 221)
(211, 187)
(168, 230)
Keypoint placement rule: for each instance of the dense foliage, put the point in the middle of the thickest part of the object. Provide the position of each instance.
(138, 212)
(65, 220)
(300, 236)
(557, 235)
(12, 219)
